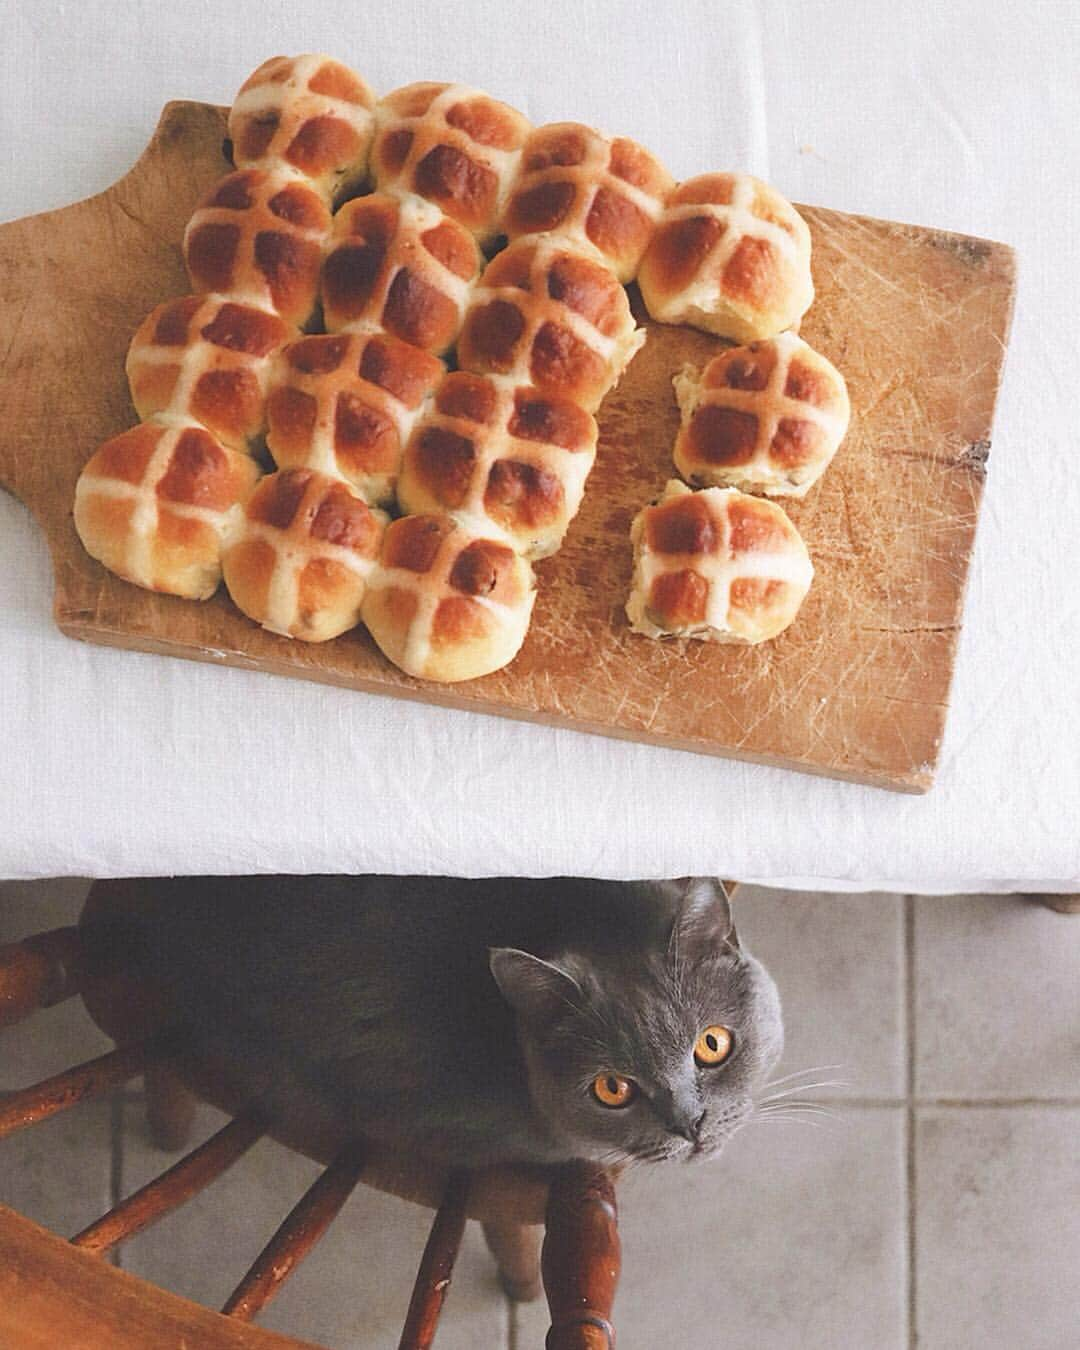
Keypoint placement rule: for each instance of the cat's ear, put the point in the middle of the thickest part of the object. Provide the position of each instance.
(536, 990)
(703, 919)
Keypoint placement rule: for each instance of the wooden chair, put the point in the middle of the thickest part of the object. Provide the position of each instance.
(58, 1293)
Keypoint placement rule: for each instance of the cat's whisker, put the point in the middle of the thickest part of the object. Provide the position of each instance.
(790, 1115)
(799, 1104)
(806, 1087)
(792, 1120)
(802, 1073)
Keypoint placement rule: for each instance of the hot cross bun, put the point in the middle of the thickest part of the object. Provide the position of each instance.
(345, 405)
(546, 315)
(309, 113)
(595, 191)
(259, 237)
(456, 146)
(444, 605)
(731, 256)
(507, 461)
(299, 558)
(401, 265)
(717, 565)
(206, 359)
(155, 503)
(764, 418)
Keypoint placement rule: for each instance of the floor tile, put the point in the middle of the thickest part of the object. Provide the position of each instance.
(57, 1172)
(997, 998)
(998, 1228)
(351, 1293)
(794, 1238)
(54, 1038)
(32, 906)
(838, 963)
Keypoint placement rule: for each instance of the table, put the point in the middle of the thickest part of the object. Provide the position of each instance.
(963, 118)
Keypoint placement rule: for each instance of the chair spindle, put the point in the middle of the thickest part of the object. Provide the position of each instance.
(173, 1188)
(436, 1266)
(80, 1084)
(301, 1230)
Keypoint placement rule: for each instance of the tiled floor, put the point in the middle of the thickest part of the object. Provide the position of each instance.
(941, 1208)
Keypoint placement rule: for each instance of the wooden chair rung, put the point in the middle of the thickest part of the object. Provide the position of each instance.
(173, 1188)
(436, 1266)
(79, 1084)
(301, 1230)
(38, 972)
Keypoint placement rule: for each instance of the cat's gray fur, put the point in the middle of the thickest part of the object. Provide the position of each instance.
(470, 1017)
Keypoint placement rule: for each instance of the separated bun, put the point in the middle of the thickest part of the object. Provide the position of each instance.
(716, 565)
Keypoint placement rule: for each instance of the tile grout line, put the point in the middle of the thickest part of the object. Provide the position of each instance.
(116, 1159)
(511, 1322)
(911, 1177)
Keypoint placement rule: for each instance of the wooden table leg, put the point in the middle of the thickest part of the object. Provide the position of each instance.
(1064, 904)
(581, 1259)
(516, 1249)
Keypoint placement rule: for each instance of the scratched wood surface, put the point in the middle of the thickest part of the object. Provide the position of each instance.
(916, 319)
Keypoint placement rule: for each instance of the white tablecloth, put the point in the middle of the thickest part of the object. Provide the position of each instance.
(963, 116)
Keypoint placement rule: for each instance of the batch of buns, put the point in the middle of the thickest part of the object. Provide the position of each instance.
(430, 414)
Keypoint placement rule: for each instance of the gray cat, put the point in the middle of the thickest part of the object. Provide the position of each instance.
(483, 1021)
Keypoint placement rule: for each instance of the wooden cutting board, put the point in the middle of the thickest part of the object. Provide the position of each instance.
(857, 688)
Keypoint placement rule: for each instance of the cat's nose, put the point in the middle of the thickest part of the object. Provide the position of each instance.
(690, 1130)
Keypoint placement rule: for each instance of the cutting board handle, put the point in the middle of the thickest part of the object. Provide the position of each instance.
(49, 264)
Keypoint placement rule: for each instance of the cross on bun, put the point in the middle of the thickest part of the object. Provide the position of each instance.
(206, 359)
(731, 256)
(345, 405)
(309, 113)
(300, 556)
(716, 565)
(597, 192)
(456, 146)
(544, 314)
(155, 503)
(443, 605)
(401, 265)
(764, 418)
(258, 237)
(508, 462)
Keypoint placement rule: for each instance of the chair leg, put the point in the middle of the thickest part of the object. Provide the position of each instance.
(170, 1108)
(581, 1259)
(516, 1249)
(1064, 904)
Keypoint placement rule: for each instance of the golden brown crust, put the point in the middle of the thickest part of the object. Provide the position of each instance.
(764, 418)
(400, 265)
(547, 316)
(731, 256)
(456, 146)
(717, 565)
(155, 503)
(445, 605)
(344, 405)
(299, 559)
(207, 360)
(309, 114)
(504, 460)
(258, 238)
(593, 191)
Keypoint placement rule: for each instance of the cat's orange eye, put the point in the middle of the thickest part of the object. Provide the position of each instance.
(713, 1046)
(612, 1089)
